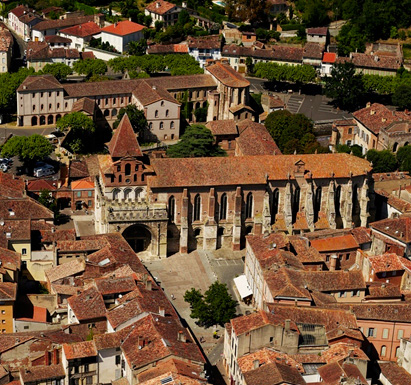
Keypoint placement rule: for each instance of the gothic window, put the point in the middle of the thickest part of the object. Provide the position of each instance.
(127, 169)
(116, 193)
(161, 126)
(223, 207)
(249, 206)
(274, 205)
(197, 208)
(317, 203)
(156, 114)
(127, 193)
(171, 209)
(167, 113)
(172, 125)
(296, 203)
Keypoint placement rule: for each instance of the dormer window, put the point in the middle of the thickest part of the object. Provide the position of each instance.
(11, 212)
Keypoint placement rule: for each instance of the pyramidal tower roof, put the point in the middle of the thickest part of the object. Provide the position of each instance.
(124, 142)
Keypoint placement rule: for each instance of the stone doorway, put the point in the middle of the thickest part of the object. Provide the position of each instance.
(138, 237)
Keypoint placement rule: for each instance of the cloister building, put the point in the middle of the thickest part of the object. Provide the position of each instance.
(164, 205)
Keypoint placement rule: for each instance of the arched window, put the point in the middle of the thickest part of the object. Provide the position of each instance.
(161, 126)
(116, 193)
(274, 205)
(350, 131)
(127, 169)
(223, 207)
(150, 126)
(120, 178)
(114, 112)
(337, 200)
(162, 103)
(383, 351)
(106, 113)
(317, 203)
(249, 206)
(197, 208)
(296, 203)
(172, 125)
(171, 209)
(167, 113)
(156, 114)
(127, 193)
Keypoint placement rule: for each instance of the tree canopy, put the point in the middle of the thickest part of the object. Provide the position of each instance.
(215, 307)
(402, 96)
(382, 161)
(90, 67)
(137, 119)
(59, 70)
(81, 129)
(281, 72)
(344, 86)
(404, 158)
(47, 200)
(29, 149)
(197, 141)
(291, 132)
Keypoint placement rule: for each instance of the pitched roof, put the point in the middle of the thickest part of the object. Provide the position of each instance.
(227, 75)
(10, 259)
(329, 57)
(11, 186)
(332, 373)
(8, 291)
(222, 127)
(313, 50)
(322, 31)
(148, 94)
(400, 312)
(84, 104)
(123, 28)
(82, 30)
(42, 373)
(41, 184)
(57, 39)
(389, 262)
(254, 139)
(179, 172)
(274, 374)
(39, 82)
(124, 142)
(20, 10)
(64, 270)
(115, 285)
(343, 242)
(160, 7)
(374, 61)
(63, 23)
(80, 350)
(204, 42)
(167, 48)
(78, 169)
(83, 184)
(23, 208)
(88, 305)
(395, 374)
(397, 228)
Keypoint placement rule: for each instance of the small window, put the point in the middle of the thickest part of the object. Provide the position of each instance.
(327, 258)
(3, 312)
(385, 334)
(89, 193)
(42, 107)
(78, 194)
(118, 360)
(162, 103)
(161, 126)
(58, 105)
(89, 203)
(26, 327)
(49, 94)
(41, 94)
(24, 251)
(3, 321)
(58, 93)
(172, 125)
(383, 351)
(156, 114)
(167, 113)
(400, 334)
(50, 106)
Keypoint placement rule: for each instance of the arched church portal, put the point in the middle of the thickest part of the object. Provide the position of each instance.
(138, 237)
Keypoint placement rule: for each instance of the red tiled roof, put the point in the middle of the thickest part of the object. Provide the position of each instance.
(38, 374)
(20, 10)
(88, 305)
(398, 228)
(8, 291)
(65, 270)
(11, 186)
(227, 75)
(322, 31)
(82, 184)
(389, 262)
(82, 30)
(329, 57)
(84, 105)
(115, 285)
(56, 39)
(39, 82)
(41, 184)
(63, 23)
(344, 242)
(313, 50)
(123, 28)
(80, 350)
(10, 259)
(222, 127)
(374, 61)
(160, 7)
(274, 374)
(124, 141)
(179, 172)
(39, 314)
(395, 374)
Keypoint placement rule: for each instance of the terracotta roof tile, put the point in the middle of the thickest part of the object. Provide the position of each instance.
(329, 57)
(395, 374)
(36, 374)
(389, 262)
(8, 291)
(39, 82)
(251, 169)
(313, 50)
(10, 259)
(84, 104)
(398, 228)
(124, 141)
(88, 305)
(341, 243)
(332, 373)
(115, 285)
(41, 184)
(160, 7)
(204, 42)
(82, 30)
(63, 23)
(274, 374)
(11, 186)
(227, 75)
(57, 39)
(254, 139)
(123, 28)
(322, 31)
(223, 127)
(82, 184)
(80, 350)
(341, 351)
(74, 267)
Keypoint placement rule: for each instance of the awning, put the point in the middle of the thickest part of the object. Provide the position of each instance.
(242, 286)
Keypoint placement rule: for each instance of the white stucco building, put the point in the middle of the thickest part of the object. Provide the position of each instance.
(80, 34)
(120, 34)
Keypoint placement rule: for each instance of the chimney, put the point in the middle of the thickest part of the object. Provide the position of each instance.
(162, 311)
(181, 337)
(333, 264)
(368, 105)
(158, 4)
(372, 112)
(256, 364)
(149, 284)
(47, 358)
(140, 342)
(287, 325)
(55, 357)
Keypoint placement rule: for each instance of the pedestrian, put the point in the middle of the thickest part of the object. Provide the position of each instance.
(172, 297)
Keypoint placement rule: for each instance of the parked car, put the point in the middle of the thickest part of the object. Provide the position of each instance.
(4, 167)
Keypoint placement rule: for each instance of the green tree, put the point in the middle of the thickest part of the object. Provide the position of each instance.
(383, 161)
(402, 96)
(344, 86)
(47, 200)
(315, 13)
(59, 70)
(404, 158)
(137, 47)
(197, 141)
(291, 132)
(216, 307)
(90, 67)
(29, 149)
(137, 119)
(80, 135)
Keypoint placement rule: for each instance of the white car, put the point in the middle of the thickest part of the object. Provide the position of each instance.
(43, 170)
